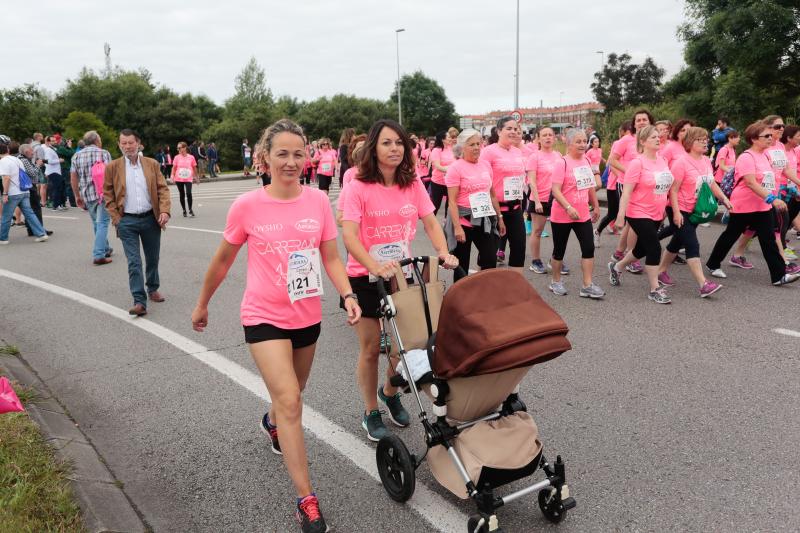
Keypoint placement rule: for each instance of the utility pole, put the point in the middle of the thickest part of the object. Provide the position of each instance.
(516, 76)
(399, 99)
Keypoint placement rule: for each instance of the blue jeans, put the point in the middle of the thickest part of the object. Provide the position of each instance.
(56, 190)
(100, 221)
(132, 231)
(23, 201)
(211, 164)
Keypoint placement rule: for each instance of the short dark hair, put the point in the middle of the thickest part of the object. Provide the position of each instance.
(368, 170)
(642, 111)
(731, 134)
(789, 132)
(13, 148)
(754, 130)
(127, 132)
(676, 129)
(3, 149)
(723, 118)
(626, 126)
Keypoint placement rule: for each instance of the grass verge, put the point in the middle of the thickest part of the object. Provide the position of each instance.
(34, 492)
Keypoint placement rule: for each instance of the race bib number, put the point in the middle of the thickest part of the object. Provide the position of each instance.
(325, 167)
(392, 251)
(768, 182)
(584, 178)
(184, 173)
(663, 182)
(700, 181)
(481, 204)
(778, 158)
(303, 275)
(512, 188)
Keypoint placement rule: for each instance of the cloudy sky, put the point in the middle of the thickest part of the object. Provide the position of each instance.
(311, 48)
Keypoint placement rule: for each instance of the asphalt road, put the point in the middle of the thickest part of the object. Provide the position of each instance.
(671, 418)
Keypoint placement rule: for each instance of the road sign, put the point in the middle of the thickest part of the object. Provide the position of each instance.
(516, 115)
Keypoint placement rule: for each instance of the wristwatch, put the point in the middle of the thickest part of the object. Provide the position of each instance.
(350, 295)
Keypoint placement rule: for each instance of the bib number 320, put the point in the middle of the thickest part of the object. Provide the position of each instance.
(303, 275)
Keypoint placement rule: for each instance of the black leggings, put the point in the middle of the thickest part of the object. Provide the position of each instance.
(670, 229)
(786, 220)
(613, 210)
(583, 230)
(187, 185)
(515, 235)
(486, 243)
(437, 193)
(684, 237)
(647, 244)
(762, 223)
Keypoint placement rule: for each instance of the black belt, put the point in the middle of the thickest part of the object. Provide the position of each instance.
(139, 215)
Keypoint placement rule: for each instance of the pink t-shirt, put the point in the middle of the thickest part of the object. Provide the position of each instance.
(505, 163)
(571, 174)
(613, 176)
(543, 163)
(183, 167)
(595, 156)
(653, 180)
(445, 158)
(625, 148)
(273, 229)
(726, 155)
(779, 161)
(791, 155)
(529, 149)
(672, 152)
(348, 176)
(327, 162)
(387, 218)
(422, 163)
(688, 172)
(469, 178)
(743, 199)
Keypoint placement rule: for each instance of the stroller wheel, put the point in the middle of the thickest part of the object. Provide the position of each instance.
(472, 525)
(396, 468)
(550, 506)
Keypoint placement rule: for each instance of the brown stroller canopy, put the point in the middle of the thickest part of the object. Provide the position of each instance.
(493, 321)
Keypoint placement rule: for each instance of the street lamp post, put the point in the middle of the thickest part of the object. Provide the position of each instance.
(602, 58)
(399, 99)
(516, 75)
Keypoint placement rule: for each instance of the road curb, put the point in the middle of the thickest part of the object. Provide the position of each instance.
(104, 505)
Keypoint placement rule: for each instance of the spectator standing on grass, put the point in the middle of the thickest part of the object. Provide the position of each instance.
(52, 169)
(26, 156)
(86, 177)
(138, 202)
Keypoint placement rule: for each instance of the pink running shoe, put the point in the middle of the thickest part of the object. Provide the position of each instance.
(709, 288)
(635, 267)
(665, 280)
(740, 262)
(618, 255)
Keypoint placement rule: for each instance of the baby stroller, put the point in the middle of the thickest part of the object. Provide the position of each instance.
(495, 326)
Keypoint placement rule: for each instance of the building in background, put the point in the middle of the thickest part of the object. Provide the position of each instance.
(559, 118)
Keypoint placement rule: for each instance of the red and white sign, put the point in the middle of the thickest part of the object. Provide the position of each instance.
(516, 115)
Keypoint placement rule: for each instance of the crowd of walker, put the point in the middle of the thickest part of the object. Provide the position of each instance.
(496, 190)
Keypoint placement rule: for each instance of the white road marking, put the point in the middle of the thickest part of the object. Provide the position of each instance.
(787, 332)
(442, 515)
(196, 229)
(60, 217)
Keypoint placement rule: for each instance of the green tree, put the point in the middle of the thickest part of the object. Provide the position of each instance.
(327, 117)
(78, 123)
(426, 108)
(25, 110)
(622, 83)
(741, 60)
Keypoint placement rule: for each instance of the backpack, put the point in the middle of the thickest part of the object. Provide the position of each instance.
(98, 177)
(705, 208)
(727, 183)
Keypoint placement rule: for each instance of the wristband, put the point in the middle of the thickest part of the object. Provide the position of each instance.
(770, 198)
(350, 295)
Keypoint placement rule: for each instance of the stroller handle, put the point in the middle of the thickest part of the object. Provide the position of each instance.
(418, 260)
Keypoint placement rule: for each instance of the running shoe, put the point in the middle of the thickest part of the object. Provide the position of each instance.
(740, 262)
(501, 256)
(617, 255)
(557, 287)
(564, 268)
(397, 413)
(792, 268)
(613, 274)
(718, 273)
(272, 431)
(537, 266)
(545, 234)
(659, 296)
(789, 254)
(184, 214)
(596, 239)
(309, 515)
(635, 267)
(373, 425)
(665, 280)
(786, 279)
(592, 291)
(191, 213)
(43, 238)
(679, 260)
(709, 288)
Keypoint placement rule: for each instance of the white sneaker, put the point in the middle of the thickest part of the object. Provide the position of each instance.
(718, 273)
(42, 238)
(3, 242)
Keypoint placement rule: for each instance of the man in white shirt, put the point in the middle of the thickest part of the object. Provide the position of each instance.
(56, 187)
(137, 200)
(14, 196)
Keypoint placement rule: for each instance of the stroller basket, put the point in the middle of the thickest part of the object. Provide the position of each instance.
(492, 327)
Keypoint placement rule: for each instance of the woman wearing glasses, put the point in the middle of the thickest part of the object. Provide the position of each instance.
(184, 173)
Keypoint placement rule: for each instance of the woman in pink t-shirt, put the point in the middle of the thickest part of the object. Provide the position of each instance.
(472, 205)
(791, 141)
(381, 210)
(644, 198)
(674, 149)
(325, 160)
(539, 167)
(441, 157)
(595, 156)
(508, 177)
(726, 157)
(690, 172)
(184, 173)
(753, 198)
(349, 174)
(612, 190)
(619, 159)
(573, 190)
(290, 235)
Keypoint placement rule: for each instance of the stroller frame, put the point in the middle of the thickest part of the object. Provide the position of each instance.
(397, 466)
